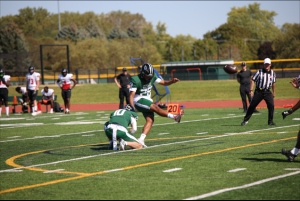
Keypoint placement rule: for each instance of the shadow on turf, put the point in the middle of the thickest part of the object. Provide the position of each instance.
(101, 147)
(285, 160)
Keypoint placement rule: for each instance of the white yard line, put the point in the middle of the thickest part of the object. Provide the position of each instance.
(38, 137)
(117, 152)
(201, 133)
(172, 170)
(241, 187)
(163, 133)
(51, 171)
(237, 169)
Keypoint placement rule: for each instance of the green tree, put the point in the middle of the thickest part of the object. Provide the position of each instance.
(227, 32)
(33, 20)
(260, 23)
(287, 44)
(12, 41)
(117, 33)
(72, 32)
(265, 50)
(94, 30)
(206, 49)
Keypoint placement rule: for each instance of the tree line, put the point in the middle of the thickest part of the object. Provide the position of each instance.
(108, 40)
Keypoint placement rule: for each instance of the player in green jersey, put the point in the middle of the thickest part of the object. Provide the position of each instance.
(116, 128)
(140, 98)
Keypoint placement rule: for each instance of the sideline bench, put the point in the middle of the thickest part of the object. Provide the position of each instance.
(11, 100)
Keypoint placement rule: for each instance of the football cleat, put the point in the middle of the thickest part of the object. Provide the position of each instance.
(288, 154)
(178, 117)
(244, 123)
(272, 124)
(122, 145)
(51, 112)
(39, 112)
(286, 113)
(34, 113)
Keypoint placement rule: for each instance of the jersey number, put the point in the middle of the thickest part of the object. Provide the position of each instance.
(146, 92)
(119, 112)
(30, 81)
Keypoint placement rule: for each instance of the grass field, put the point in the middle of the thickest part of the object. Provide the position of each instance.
(181, 91)
(57, 156)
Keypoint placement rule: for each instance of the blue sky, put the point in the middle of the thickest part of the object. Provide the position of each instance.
(181, 17)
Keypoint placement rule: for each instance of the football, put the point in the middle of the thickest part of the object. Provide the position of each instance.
(230, 69)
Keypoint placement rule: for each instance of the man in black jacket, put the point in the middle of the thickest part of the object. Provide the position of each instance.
(124, 87)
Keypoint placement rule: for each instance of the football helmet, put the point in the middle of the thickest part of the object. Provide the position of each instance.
(31, 69)
(64, 72)
(147, 70)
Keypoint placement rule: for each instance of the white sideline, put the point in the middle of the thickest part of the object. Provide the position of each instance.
(240, 187)
(74, 159)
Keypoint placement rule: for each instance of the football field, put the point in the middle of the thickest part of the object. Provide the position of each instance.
(208, 155)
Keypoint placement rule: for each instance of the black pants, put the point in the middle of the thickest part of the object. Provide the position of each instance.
(245, 90)
(257, 98)
(123, 92)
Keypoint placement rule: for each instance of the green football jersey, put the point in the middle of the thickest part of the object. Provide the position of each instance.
(143, 88)
(122, 117)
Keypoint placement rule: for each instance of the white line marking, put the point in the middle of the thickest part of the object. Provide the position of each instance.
(80, 117)
(89, 135)
(163, 133)
(172, 170)
(240, 187)
(9, 119)
(220, 136)
(280, 132)
(55, 118)
(114, 170)
(231, 114)
(237, 169)
(292, 169)
(204, 114)
(201, 133)
(12, 170)
(36, 137)
(13, 136)
(296, 119)
(51, 171)
(23, 124)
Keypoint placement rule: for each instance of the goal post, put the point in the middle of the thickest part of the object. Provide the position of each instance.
(42, 63)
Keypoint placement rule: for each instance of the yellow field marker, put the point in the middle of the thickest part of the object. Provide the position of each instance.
(140, 165)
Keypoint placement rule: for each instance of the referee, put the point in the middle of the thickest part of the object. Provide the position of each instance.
(124, 87)
(265, 79)
(244, 78)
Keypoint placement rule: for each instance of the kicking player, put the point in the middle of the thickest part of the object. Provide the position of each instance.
(116, 129)
(48, 98)
(32, 87)
(65, 78)
(291, 154)
(140, 98)
(4, 83)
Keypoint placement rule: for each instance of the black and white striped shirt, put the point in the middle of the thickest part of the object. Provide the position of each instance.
(264, 79)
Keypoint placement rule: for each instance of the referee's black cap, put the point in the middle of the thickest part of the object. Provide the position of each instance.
(124, 69)
(243, 64)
